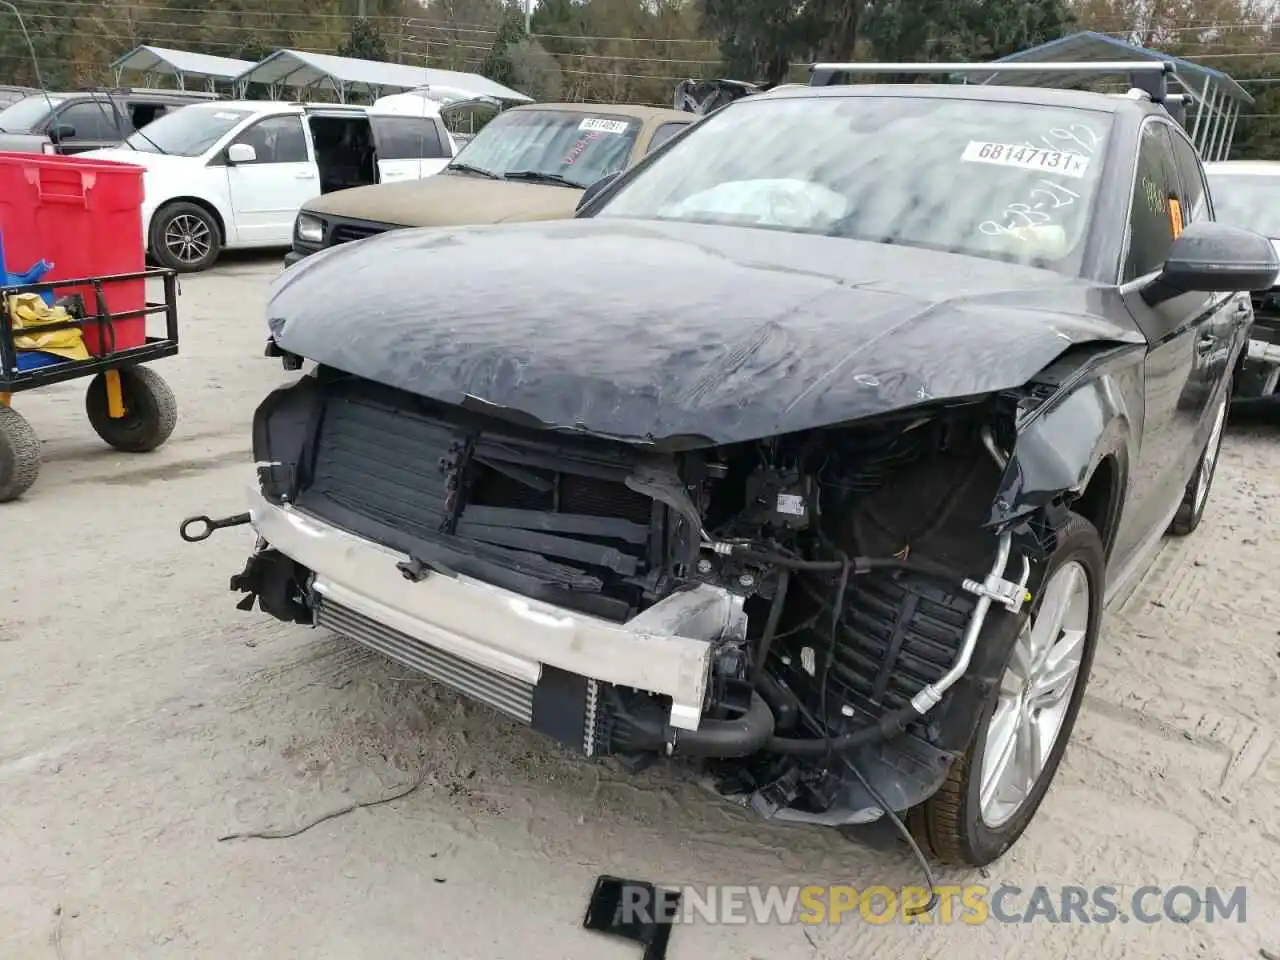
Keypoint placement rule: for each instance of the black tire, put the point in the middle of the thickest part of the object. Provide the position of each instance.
(201, 246)
(151, 412)
(1194, 497)
(950, 823)
(19, 454)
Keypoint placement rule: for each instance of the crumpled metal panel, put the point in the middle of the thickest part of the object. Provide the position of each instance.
(679, 334)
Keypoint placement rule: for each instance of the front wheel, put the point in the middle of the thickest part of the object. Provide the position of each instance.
(184, 237)
(994, 790)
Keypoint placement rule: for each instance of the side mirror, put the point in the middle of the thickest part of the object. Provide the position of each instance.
(241, 153)
(62, 131)
(597, 188)
(1210, 257)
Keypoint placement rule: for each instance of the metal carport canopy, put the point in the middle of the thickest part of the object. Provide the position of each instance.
(301, 70)
(182, 64)
(1217, 97)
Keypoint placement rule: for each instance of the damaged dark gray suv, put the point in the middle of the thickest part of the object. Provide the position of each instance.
(813, 449)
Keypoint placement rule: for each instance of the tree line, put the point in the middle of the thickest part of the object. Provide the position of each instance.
(637, 50)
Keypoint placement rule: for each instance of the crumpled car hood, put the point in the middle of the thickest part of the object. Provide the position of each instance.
(678, 333)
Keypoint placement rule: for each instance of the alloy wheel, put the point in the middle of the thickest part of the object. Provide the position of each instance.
(188, 238)
(1035, 695)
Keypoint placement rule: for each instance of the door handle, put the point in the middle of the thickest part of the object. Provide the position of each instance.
(1206, 344)
(305, 175)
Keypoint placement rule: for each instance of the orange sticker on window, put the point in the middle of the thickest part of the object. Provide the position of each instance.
(1175, 216)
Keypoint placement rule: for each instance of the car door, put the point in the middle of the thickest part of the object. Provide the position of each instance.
(87, 124)
(437, 151)
(1175, 374)
(267, 192)
(1229, 311)
(409, 148)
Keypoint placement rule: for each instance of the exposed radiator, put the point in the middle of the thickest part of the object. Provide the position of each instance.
(550, 512)
(506, 694)
(898, 635)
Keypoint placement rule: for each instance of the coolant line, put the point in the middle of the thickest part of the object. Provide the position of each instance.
(895, 721)
(928, 698)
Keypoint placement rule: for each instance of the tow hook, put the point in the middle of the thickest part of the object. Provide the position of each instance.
(204, 526)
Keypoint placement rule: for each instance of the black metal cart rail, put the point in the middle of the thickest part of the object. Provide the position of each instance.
(13, 380)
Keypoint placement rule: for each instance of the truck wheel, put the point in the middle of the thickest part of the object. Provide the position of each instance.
(184, 237)
(150, 410)
(1196, 497)
(19, 454)
(993, 791)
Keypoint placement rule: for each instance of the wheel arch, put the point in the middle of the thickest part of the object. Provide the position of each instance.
(1074, 452)
(1101, 499)
(203, 203)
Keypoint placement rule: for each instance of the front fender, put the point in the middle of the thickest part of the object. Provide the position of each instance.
(1060, 446)
(166, 189)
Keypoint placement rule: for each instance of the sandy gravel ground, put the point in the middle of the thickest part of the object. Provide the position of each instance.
(142, 717)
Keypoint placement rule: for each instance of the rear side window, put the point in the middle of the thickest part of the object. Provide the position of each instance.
(407, 138)
(140, 114)
(1195, 195)
(664, 133)
(1150, 226)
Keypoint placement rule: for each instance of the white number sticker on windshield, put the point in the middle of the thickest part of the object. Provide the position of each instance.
(1027, 158)
(603, 126)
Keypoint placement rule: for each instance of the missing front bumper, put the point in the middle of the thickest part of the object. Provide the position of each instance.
(513, 640)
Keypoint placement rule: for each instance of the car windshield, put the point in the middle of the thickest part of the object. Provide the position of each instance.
(1245, 201)
(187, 131)
(554, 145)
(25, 115)
(1006, 181)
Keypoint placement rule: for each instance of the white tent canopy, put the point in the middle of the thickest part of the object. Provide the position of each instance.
(181, 64)
(296, 69)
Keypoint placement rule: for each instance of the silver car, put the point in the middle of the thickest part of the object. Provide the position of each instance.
(1246, 193)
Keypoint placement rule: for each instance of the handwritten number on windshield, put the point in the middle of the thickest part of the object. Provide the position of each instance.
(1052, 195)
(578, 148)
(1047, 194)
(1017, 217)
(1077, 134)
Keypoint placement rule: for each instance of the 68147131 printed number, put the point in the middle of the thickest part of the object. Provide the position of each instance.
(1026, 157)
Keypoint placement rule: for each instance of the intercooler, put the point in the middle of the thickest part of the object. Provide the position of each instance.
(508, 695)
(565, 706)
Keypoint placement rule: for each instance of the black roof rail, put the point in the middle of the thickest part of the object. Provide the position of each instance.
(1151, 76)
(1175, 104)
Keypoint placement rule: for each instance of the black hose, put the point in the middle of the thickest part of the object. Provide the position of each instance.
(888, 726)
(858, 565)
(771, 625)
(719, 739)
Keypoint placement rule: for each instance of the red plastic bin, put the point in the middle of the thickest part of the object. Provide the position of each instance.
(85, 217)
